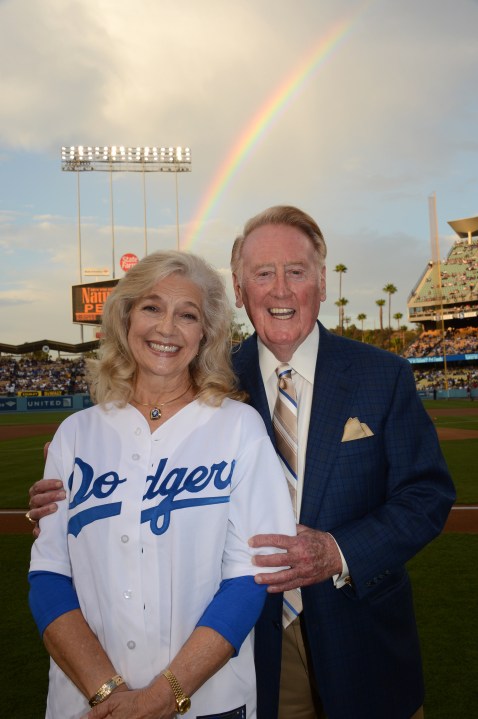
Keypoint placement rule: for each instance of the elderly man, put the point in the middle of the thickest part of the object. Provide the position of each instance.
(367, 480)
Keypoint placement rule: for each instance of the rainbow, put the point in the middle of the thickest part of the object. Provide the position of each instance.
(269, 112)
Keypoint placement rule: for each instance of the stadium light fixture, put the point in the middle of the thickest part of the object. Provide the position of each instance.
(117, 158)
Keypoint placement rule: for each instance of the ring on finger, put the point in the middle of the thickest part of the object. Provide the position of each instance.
(27, 515)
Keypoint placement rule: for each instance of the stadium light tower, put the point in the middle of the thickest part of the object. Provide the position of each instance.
(435, 245)
(81, 158)
(117, 158)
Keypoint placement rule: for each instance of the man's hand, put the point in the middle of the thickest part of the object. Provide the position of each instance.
(312, 556)
(43, 497)
(138, 704)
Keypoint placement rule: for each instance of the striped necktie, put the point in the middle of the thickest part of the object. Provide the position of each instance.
(284, 421)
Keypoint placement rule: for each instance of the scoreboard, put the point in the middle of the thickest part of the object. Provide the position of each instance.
(88, 301)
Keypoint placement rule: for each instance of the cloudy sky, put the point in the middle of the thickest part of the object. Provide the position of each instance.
(355, 111)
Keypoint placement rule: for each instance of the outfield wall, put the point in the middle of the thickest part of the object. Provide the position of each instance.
(55, 403)
(448, 394)
(75, 402)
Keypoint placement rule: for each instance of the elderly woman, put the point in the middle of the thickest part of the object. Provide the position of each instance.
(142, 582)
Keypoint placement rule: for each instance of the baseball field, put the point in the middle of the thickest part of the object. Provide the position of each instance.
(443, 574)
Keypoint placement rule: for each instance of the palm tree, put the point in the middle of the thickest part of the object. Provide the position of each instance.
(390, 290)
(337, 304)
(403, 329)
(341, 269)
(239, 331)
(380, 303)
(361, 318)
(398, 316)
(341, 302)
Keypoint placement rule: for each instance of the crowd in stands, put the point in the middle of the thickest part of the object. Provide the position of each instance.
(67, 376)
(456, 378)
(27, 374)
(458, 278)
(457, 341)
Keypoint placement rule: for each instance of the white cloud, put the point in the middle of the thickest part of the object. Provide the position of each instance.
(387, 119)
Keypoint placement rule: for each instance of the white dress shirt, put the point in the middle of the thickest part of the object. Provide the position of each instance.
(303, 363)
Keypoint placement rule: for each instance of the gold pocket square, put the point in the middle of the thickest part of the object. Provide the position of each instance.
(354, 429)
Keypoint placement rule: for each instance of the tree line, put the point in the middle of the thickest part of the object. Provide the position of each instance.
(342, 302)
(383, 337)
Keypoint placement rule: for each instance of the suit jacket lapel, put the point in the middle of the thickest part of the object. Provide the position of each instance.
(246, 366)
(334, 388)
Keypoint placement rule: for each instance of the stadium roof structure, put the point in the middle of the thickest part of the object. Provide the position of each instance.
(466, 228)
(447, 291)
(40, 345)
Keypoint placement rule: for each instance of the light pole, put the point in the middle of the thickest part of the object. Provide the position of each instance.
(80, 261)
(117, 158)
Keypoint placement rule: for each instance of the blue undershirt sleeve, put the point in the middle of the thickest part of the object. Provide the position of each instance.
(232, 613)
(51, 595)
(234, 609)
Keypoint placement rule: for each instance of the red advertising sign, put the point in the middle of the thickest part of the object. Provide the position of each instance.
(128, 261)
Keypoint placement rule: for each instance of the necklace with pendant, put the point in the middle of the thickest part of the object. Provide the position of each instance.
(155, 412)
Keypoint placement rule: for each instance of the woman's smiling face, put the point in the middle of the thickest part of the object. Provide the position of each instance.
(166, 328)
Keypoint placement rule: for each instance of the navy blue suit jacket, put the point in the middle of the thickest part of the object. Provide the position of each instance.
(383, 498)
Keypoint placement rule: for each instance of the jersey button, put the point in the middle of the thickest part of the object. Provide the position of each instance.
(131, 644)
(124, 538)
(135, 456)
(127, 594)
(137, 431)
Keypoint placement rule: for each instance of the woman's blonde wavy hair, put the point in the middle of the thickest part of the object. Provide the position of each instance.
(112, 377)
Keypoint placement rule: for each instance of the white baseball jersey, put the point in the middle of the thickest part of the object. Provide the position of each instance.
(151, 525)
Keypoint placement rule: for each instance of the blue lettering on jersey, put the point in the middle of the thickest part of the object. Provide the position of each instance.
(181, 480)
(178, 480)
(101, 487)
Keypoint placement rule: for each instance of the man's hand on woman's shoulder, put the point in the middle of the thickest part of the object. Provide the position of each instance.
(44, 495)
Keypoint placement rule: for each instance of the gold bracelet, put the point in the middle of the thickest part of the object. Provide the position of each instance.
(105, 690)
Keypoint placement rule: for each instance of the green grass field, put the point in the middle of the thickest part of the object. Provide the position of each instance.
(445, 600)
(22, 459)
(27, 418)
(445, 589)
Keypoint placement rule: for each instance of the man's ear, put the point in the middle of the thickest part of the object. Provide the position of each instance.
(323, 285)
(237, 290)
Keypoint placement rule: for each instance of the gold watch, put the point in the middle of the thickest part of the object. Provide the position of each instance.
(183, 703)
